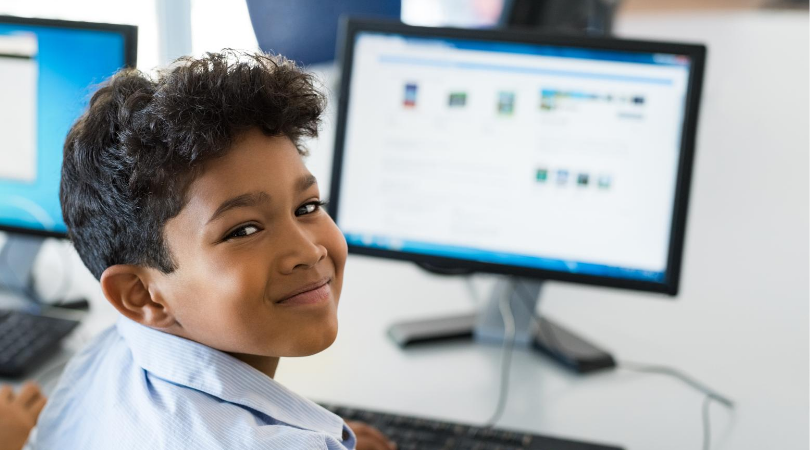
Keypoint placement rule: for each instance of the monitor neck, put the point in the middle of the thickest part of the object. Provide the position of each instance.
(524, 294)
(17, 258)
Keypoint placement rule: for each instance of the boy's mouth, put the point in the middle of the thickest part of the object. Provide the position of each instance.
(310, 293)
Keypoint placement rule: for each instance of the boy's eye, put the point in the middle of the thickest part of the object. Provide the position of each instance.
(243, 231)
(309, 208)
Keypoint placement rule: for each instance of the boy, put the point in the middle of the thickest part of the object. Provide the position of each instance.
(188, 199)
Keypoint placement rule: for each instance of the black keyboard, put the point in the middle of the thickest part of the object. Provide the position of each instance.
(28, 339)
(414, 433)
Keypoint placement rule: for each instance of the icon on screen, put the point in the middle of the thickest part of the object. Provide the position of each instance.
(562, 177)
(410, 95)
(547, 99)
(457, 100)
(604, 181)
(506, 103)
(582, 179)
(541, 175)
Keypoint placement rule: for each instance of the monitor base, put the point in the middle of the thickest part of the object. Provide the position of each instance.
(532, 330)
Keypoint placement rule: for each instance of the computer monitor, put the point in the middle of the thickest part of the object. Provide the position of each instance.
(48, 71)
(518, 153)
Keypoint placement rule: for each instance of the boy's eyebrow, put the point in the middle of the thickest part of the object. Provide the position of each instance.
(240, 201)
(254, 198)
(306, 181)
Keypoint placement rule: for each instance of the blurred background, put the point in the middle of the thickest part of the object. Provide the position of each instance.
(740, 322)
(171, 28)
(168, 29)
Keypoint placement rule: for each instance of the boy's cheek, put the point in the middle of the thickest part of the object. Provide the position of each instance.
(340, 248)
(342, 253)
(217, 296)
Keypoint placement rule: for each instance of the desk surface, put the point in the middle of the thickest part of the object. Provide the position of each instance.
(740, 323)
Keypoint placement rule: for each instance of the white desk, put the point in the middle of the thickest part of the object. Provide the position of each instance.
(740, 323)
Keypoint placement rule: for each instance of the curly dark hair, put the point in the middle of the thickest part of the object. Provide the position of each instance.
(128, 160)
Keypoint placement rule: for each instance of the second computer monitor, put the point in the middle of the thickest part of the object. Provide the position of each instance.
(562, 158)
(49, 69)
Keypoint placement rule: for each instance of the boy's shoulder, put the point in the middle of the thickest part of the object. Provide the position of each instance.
(108, 398)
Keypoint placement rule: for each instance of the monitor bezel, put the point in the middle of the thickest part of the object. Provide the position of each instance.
(130, 34)
(697, 54)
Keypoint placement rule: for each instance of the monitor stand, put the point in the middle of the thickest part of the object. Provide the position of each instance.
(531, 330)
(17, 258)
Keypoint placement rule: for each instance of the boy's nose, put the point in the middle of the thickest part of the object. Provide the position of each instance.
(301, 251)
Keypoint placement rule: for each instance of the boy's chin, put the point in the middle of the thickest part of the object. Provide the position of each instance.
(314, 344)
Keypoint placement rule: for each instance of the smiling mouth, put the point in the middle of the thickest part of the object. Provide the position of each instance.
(308, 295)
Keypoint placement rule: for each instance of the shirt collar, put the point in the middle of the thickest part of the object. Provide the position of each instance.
(194, 365)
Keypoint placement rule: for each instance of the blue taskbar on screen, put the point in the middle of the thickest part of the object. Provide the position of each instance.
(508, 259)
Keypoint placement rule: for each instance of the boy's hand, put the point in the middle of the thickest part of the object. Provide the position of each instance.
(18, 414)
(370, 438)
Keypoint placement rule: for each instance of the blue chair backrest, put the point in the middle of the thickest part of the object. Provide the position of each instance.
(306, 30)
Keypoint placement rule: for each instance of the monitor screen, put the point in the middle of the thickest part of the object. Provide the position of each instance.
(48, 72)
(508, 154)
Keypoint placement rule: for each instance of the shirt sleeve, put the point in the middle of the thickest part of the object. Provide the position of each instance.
(299, 441)
(31, 443)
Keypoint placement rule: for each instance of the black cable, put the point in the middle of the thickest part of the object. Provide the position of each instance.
(557, 348)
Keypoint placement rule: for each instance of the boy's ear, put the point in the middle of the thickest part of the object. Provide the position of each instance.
(127, 288)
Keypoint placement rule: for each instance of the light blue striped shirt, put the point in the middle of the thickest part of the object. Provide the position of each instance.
(138, 388)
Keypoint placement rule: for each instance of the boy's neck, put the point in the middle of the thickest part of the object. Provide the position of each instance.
(264, 364)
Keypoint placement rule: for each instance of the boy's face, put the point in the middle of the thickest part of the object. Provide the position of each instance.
(251, 236)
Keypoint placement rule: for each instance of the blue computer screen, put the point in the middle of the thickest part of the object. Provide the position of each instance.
(47, 76)
(537, 156)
